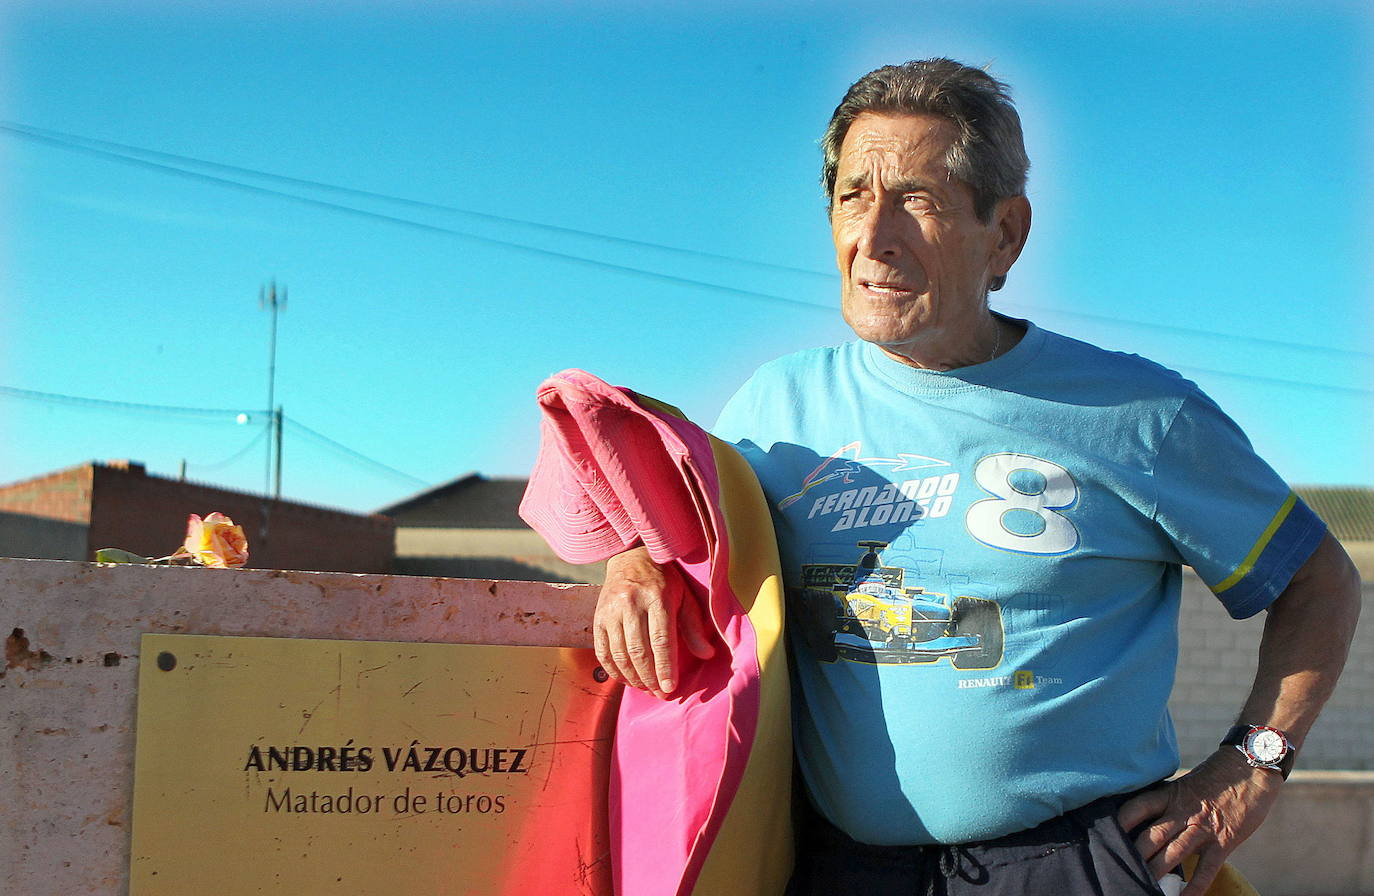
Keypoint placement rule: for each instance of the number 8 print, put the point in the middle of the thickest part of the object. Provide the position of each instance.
(1023, 516)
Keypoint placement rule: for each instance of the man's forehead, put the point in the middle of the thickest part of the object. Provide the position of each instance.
(904, 141)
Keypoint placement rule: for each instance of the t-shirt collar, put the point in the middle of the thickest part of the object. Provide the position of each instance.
(988, 374)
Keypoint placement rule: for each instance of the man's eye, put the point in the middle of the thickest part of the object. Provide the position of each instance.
(918, 200)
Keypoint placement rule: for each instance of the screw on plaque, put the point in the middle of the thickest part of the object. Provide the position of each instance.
(166, 661)
(600, 675)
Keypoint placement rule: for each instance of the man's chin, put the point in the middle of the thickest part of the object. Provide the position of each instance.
(878, 328)
(887, 336)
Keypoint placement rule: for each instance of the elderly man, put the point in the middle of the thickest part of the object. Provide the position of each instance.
(982, 525)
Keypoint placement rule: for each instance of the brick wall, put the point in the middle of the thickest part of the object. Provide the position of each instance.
(64, 495)
(1217, 658)
(119, 505)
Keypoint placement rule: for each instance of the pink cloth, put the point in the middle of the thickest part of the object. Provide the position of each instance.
(614, 469)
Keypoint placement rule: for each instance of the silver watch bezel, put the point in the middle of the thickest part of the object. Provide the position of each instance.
(1260, 745)
(1247, 746)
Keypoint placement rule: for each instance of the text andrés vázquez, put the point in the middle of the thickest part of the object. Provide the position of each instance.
(459, 761)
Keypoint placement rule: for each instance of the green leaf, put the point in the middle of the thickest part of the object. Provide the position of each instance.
(115, 555)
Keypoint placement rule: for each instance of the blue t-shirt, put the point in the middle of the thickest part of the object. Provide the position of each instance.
(983, 572)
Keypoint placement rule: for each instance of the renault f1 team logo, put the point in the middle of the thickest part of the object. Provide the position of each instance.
(875, 497)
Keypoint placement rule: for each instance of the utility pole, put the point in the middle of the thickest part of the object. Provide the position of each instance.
(276, 485)
(270, 299)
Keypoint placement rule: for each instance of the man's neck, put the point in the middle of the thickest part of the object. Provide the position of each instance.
(993, 337)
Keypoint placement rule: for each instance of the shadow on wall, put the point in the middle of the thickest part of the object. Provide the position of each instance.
(29, 537)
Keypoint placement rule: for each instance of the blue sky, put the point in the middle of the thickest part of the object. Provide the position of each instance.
(631, 189)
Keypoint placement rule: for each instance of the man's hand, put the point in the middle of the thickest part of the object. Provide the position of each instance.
(1207, 812)
(644, 613)
(1212, 809)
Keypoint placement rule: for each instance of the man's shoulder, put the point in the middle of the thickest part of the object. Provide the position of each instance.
(1109, 371)
(808, 362)
(803, 374)
(779, 390)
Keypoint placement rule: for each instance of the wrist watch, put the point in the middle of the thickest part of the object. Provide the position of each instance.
(1263, 747)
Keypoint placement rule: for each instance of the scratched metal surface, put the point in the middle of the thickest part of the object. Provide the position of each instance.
(67, 690)
(370, 768)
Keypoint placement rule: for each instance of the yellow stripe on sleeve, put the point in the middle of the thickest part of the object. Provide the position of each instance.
(1265, 537)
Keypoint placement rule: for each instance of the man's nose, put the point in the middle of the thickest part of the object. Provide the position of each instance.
(878, 233)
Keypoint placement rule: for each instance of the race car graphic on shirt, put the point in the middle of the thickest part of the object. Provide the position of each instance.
(865, 612)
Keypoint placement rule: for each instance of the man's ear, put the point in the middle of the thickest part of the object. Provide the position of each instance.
(1012, 218)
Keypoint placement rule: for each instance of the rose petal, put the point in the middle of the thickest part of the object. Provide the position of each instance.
(215, 541)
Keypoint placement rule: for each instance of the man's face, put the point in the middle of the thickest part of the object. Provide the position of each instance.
(915, 259)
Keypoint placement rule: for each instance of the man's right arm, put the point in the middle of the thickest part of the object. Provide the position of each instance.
(646, 613)
(644, 616)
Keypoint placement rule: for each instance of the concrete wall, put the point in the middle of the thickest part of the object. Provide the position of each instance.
(67, 695)
(1318, 841)
(1217, 657)
(515, 554)
(67, 689)
(39, 538)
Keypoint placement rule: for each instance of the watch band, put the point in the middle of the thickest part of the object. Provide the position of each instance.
(1236, 737)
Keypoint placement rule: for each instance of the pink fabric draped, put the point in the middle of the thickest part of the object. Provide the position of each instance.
(615, 469)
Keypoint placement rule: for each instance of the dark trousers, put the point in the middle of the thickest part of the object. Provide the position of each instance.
(1081, 853)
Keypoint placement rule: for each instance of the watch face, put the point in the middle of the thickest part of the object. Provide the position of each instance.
(1266, 746)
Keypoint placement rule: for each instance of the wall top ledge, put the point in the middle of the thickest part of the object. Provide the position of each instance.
(173, 569)
(59, 601)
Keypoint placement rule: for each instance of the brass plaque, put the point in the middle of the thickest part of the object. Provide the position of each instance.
(272, 765)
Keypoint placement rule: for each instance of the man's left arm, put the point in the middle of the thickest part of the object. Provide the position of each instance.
(1212, 809)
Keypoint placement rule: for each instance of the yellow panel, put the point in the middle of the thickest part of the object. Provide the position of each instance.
(753, 852)
(296, 766)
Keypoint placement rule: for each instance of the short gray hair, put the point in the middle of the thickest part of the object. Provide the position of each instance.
(989, 154)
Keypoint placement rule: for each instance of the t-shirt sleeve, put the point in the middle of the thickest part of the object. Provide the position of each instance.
(739, 419)
(734, 417)
(1227, 512)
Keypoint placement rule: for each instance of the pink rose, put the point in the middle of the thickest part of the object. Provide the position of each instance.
(215, 541)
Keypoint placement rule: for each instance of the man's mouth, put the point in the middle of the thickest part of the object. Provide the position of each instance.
(883, 287)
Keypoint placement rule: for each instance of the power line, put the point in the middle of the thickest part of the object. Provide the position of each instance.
(237, 455)
(172, 410)
(406, 222)
(119, 152)
(413, 203)
(339, 446)
(1198, 331)
(59, 398)
(107, 404)
(1278, 381)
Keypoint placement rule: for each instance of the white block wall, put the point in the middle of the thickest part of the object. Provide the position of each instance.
(1217, 656)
